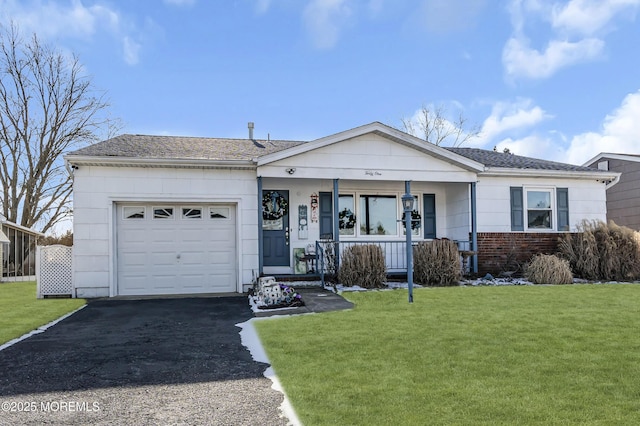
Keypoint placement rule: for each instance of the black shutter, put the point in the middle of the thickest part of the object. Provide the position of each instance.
(326, 215)
(517, 209)
(562, 195)
(429, 215)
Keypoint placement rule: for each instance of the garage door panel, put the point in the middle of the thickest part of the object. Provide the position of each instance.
(162, 256)
(160, 235)
(134, 235)
(221, 258)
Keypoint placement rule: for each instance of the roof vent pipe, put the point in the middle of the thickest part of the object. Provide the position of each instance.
(250, 126)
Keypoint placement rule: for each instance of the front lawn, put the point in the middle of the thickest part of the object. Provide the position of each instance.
(21, 312)
(482, 355)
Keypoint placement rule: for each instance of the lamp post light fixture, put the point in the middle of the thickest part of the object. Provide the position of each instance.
(407, 205)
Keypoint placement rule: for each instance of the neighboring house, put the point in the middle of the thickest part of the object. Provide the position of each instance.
(623, 199)
(18, 254)
(172, 215)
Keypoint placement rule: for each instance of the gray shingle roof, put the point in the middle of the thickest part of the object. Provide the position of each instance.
(224, 149)
(180, 147)
(511, 161)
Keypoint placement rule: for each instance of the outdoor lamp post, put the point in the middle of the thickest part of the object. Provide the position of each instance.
(407, 204)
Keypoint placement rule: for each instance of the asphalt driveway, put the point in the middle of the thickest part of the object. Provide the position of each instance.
(139, 362)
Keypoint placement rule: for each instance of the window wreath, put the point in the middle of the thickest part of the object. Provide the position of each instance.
(416, 220)
(347, 220)
(274, 206)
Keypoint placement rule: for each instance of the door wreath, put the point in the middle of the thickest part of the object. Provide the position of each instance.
(415, 220)
(347, 220)
(274, 206)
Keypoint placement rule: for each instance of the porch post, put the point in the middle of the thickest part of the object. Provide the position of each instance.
(260, 248)
(474, 228)
(408, 209)
(336, 222)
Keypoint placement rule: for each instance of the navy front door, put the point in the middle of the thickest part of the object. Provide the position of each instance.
(275, 228)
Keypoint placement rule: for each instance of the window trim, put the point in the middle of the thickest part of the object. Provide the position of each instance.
(399, 229)
(184, 217)
(384, 195)
(164, 207)
(553, 208)
(124, 212)
(227, 217)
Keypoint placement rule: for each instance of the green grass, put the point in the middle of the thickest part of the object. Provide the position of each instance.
(465, 355)
(21, 312)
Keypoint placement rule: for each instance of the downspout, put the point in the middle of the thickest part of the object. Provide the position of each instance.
(474, 228)
(260, 243)
(336, 222)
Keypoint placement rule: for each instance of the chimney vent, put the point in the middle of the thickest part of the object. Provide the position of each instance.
(250, 126)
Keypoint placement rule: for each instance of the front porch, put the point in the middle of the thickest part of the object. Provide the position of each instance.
(346, 189)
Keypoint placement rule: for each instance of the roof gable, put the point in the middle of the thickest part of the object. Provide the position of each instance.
(378, 129)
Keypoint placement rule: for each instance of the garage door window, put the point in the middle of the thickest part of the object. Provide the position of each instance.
(163, 212)
(191, 213)
(219, 212)
(133, 212)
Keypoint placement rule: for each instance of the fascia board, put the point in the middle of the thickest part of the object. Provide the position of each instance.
(78, 160)
(22, 228)
(505, 172)
(612, 156)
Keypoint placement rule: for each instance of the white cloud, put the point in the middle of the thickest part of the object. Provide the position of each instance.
(325, 19)
(51, 19)
(575, 35)
(131, 50)
(520, 60)
(620, 133)
(530, 146)
(510, 116)
(587, 17)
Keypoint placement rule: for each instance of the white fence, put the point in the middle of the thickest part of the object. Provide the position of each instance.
(54, 271)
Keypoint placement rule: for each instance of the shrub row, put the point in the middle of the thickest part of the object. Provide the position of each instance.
(435, 263)
(599, 251)
(603, 251)
(363, 265)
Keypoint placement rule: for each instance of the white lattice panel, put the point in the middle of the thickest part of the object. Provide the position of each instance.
(55, 271)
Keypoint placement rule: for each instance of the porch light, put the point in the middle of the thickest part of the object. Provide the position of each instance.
(407, 204)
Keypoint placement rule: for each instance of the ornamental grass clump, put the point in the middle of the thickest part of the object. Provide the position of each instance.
(436, 263)
(601, 251)
(548, 269)
(364, 266)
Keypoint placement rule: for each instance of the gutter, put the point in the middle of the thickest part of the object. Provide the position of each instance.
(156, 162)
(606, 177)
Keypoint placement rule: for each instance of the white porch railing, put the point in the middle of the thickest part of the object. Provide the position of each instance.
(54, 271)
(395, 255)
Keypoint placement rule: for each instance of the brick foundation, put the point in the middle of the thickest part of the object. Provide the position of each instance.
(505, 251)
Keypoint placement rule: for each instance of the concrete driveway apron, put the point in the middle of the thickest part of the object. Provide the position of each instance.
(138, 362)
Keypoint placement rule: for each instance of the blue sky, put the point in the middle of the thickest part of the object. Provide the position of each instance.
(551, 79)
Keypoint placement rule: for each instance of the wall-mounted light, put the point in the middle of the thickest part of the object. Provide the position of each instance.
(291, 170)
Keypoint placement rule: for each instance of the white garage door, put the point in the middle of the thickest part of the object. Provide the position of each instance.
(176, 248)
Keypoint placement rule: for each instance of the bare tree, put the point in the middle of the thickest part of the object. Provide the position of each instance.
(47, 107)
(433, 126)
